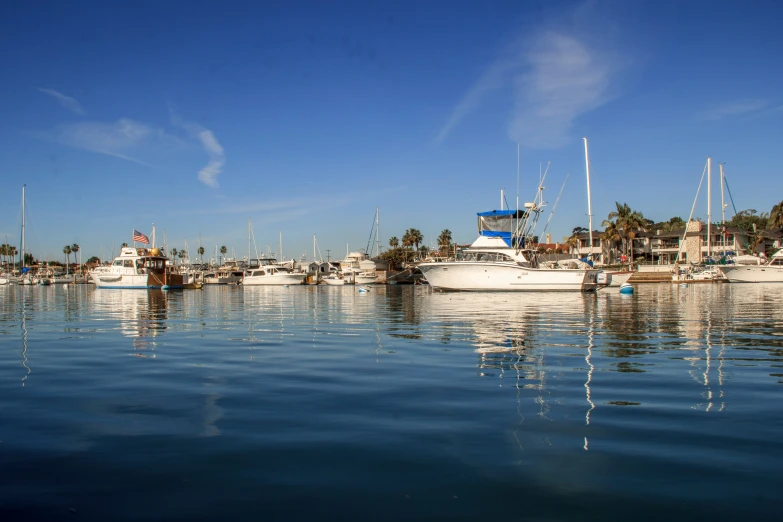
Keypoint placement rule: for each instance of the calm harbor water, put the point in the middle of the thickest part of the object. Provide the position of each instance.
(402, 404)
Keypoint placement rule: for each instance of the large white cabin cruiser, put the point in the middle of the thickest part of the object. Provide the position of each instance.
(137, 268)
(272, 275)
(742, 271)
(491, 263)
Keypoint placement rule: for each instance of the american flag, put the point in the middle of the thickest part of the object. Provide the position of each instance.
(139, 237)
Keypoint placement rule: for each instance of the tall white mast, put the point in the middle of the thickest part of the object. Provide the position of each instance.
(248, 240)
(21, 254)
(709, 206)
(280, 240)
(502, 193)
(589, 198)
(722, 210)
(377, 231)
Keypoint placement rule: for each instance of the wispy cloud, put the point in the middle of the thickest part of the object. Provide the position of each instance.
(125, 138)
(565, 79)
(66, 101)
(495, 77)
(555, 76)
(217, 157)
(736, 108)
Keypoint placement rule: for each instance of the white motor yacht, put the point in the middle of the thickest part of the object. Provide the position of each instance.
(271, 275)
(491, 263)
(137, 268)
(751, 269)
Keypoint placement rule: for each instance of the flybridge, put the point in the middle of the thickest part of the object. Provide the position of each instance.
(500, 223)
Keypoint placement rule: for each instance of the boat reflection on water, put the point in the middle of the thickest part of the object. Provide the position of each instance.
(141, 315)
(596, 353)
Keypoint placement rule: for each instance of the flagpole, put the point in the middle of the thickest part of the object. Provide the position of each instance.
(133, 237)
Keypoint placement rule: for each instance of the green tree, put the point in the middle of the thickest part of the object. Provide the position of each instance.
(627, 222)
(93, 259)
(444, 239)
(394, 242)
(201, 252)
(67, 251)
(573, 243)
(416, 237)
(173, 252)
(223, 250)
(775, 219)
(75, 250)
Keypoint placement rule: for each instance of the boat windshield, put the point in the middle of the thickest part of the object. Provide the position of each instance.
(486, 257)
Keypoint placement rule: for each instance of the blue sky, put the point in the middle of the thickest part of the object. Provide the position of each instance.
(305, 117)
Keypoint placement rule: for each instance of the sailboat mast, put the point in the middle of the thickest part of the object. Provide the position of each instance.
(377, 231)
(21, 253)
(516, 214)
(248, 239)
(722, 211)
(589, 198)
(280, 241)
(709, 206)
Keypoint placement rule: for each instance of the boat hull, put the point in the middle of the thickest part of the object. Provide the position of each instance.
(753, 273)
(477, 276)
(136, 281)
(619, 278)
(335, 282)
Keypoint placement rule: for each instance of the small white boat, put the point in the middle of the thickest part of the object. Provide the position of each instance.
(620, 277)
(337, 280)
(270, 275)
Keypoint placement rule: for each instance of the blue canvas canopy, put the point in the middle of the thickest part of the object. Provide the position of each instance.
(508, 212)
(499, 223)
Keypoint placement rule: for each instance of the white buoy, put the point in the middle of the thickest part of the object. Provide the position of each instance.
(626, 288)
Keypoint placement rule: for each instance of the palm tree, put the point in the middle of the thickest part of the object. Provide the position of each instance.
(394, 242)
(628, 223)
(611, 235)
(173, 252)
(67, 251)
(223, 250)
(416, 237)
(444, 239)
(572, 242)
(75, 250)
(201, 252)
(407, 240)
(124, 245)
(424, 250)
